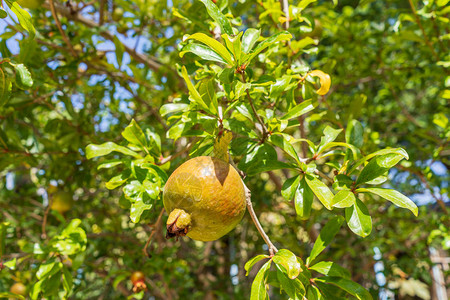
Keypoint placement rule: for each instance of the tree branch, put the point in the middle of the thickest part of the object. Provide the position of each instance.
(427, 41)
(71, 12)
(248, 196)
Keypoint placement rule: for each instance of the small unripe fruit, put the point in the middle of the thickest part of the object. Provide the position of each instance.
(138, 280)
(205, 199)
(18, 288)
(61, 201)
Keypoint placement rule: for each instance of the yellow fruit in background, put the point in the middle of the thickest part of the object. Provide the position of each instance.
(117, 14)
(31, 4)
(18, 288)
(205, 199)
(61, 201)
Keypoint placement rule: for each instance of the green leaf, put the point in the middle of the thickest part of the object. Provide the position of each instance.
(303, 200)
(293, 287)
(280, 141)
(67, 280)
(134, 135)
(354, 133)
(398, 151)
(203, 52)
(313, 293)
(120, 49)
(289, 187)
(344, 198)
(110, 164)
(94, 150)
(258, 291)
(216, 14)
(226, 76)
(11, 264)
(281, 36)
(194, 94)
(268, 165)
(329, 136)
(3, 226)
(172, 108)
(214, 45)
(137, 209)
(289, 261)
(45, 269)
(207, 92)
(23, 76)
(249, 265)
(395, 197)
(347, 285)
(118, 180)
(233, 44)
(249, 39)
(5, 87)
(325, 237)
(378, 166)
(331, 269)
(300, 109)
(8, 295)
(358, 219)
(23, 16)
(321, 190)
(3, 13)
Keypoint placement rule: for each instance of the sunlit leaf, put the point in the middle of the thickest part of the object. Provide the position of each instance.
(394, 196)
(358, 218)
(325, 237)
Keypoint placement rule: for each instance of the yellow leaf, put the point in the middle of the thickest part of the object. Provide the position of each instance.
(221, 145)
(325, 81)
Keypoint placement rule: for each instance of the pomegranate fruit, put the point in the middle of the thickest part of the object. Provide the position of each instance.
(205, 199)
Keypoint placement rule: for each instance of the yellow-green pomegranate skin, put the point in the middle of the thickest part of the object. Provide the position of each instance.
(211, 191)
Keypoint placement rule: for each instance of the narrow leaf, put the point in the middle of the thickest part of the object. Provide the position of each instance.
(94, 150)
(203, 51)
(216, 14)
(249, 265)
(214, 45)
(331, 269)
(23, 16)
(258, 291)
(281, 36)
(289, 187)
(300, 109)
(347, 285)
(395, 197)
(324, 239)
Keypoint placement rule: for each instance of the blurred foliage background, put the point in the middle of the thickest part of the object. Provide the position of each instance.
(104, 63)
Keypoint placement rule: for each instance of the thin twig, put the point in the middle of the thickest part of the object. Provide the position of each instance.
(264, 129)
(155, 229)
(423, 30)
(172, 157)
(58, 24)
(71, 13)
(324, 176)
(248, 196)
(44, 222)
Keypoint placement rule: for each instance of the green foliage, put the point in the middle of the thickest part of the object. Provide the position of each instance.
(319, 97)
